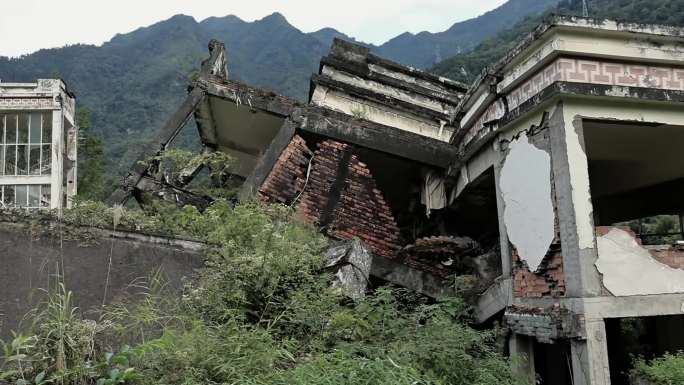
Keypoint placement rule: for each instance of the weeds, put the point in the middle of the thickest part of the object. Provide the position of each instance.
(260, 312)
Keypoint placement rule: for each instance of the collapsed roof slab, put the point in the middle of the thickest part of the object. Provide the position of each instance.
(245, 120)
(354, 81)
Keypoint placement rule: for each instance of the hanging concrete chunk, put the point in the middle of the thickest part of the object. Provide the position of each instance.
(526, 188)
(352, 263)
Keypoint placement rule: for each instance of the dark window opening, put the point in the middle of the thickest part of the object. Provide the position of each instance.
(636, 173)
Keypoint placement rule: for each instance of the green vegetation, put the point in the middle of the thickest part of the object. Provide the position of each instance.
(262, 311)
(215, 179)
(656, 230)
(665, 370)
(467, 66)
(91, 160)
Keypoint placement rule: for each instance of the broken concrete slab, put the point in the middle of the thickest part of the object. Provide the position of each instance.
(352, 260)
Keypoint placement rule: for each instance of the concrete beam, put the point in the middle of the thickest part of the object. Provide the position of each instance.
(164, 137)
(364, 133)
(494, 300)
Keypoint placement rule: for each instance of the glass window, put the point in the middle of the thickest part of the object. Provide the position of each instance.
(34, 132)
(47, 127)
(23, 128)
(34, 195)
(11, 129)
(8, 196)
(25, 140)
(10, 159)
(47, 160)
(21, 196)
(22, 159)
(34, 159)
(45, 195)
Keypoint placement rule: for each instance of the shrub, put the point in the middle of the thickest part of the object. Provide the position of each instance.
(262, 311)
(665, 370)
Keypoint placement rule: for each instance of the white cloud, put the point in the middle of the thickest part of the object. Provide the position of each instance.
(28, 25)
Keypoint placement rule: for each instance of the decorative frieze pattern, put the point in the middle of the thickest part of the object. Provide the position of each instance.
(579, 71)
(27, 103)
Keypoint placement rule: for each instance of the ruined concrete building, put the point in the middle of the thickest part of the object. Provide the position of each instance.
(520, 181)
(38, 145)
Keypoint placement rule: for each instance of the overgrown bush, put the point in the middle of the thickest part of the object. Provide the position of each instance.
(262, 311)
(665, 370)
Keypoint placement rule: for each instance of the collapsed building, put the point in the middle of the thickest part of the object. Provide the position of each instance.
(522, 182)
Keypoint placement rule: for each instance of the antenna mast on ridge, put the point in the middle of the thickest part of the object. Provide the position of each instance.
(585, 9)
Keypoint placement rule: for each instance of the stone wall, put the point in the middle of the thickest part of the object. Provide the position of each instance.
(31, 257)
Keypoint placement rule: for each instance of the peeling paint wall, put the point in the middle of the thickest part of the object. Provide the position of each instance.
(579, 179)
(526, 189)
(630, 269)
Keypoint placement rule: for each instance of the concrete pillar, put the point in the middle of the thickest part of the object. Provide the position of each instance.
(521, 350)
(590, 356)
(571, 178)
(72, 171)
(506, 263)
(56, 181)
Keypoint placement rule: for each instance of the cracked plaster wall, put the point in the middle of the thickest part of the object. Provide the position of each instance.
(526, 190)
(629, 269)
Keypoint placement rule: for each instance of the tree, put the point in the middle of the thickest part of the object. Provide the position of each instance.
(90, 159)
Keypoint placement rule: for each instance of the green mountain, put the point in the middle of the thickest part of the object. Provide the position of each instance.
(467, 66)
(424, 49)
(133, 83)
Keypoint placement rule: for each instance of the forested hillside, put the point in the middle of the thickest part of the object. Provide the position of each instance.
(465, 67)
(132, 83)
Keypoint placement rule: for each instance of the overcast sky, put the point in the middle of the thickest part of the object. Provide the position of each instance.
(28, 25)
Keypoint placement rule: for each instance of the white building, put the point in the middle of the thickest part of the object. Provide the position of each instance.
(38, 145)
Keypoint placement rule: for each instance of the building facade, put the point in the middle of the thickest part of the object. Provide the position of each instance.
(38, 145)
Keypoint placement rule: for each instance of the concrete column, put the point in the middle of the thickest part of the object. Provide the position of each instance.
(72, 171)
(521, 349)
(571, 178)
(56, 185)
(590, 357)
(506, 262)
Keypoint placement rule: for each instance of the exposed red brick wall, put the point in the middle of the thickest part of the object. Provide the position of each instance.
(549, 281)
(340, 195)
(361, 210)
(671, 256)
(288, 175)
